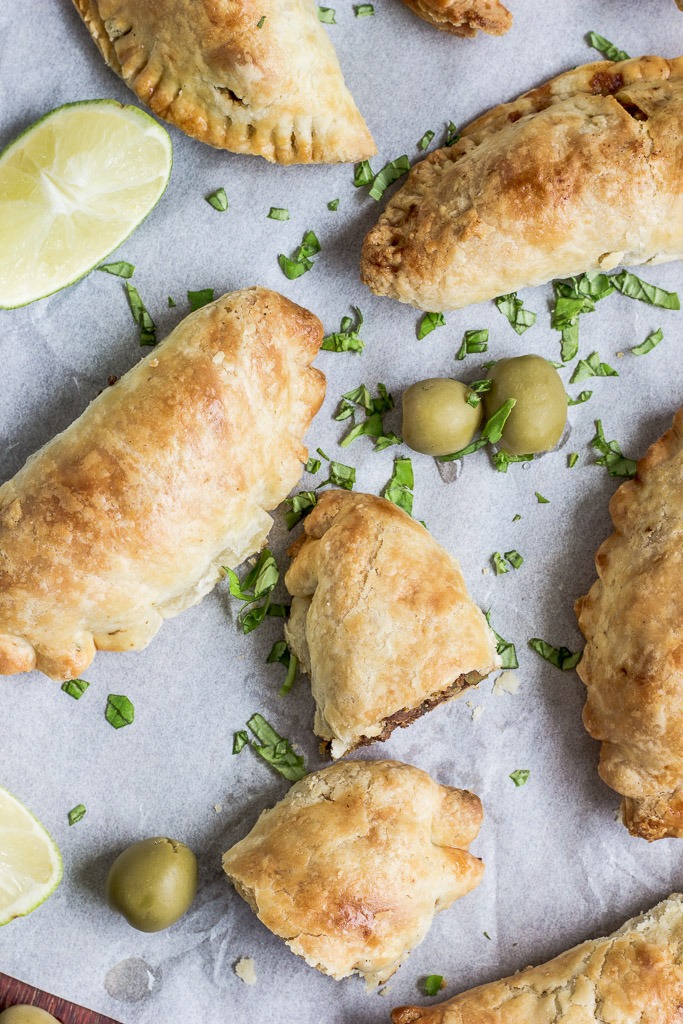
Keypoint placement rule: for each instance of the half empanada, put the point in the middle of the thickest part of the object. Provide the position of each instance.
(126, 518)
(634, 976)
(464, 17)
(351, 866)
(632, 666)
(251, 76)
(583, 173)
(380, 619)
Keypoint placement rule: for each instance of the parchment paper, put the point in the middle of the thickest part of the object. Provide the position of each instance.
(559, 868)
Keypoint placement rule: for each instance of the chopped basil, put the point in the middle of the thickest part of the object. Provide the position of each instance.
(346, 339)
(148, 331)
(502, 459)
(569, 348)
(76, 814)
(634, 288)
(120, 269)
(256, 590)
(572, 459)
(452, 135)
(433, 984)
(516, 517)
(299, 505)
(200, 298)
(278, 213)
(390, 173)
(591, 367)
(281, 653)
(322, 454)
(260, 23)
(171, 302)
(363, 174)
(300, 262)
(582, 397)
(520, 776)
(505, 649)
(363, 10)
(607, 49)
(499, 563)
(473, 342)
(326, 14)
(312, 465)
(119, 711)
(653, 339)
(491, 433)
(514, 558)
(426, 140)
(75, 688)
(610, 455)
(487, 936)
(573, 296)
(219, 199)
(560, 657)
(340, 476)
(399, 490)
(277, 751)
(541, 500)
(476, 389)
(239, 740)
(333, 204)
(372, 425)
(429, 323)
(513, 308)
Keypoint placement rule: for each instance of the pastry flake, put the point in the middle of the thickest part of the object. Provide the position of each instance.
(127, 517)
(380, 619)
(351, 866)
(583, 173)
(631, 977)
(255, 76)
(464, 17)
(632, 665)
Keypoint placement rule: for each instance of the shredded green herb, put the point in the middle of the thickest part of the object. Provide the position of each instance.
(119, 711)
(610, 454)
(260, 23)
(520, 776)
(582, 397)
(326, 14)
(76, 814)
(428, 323)
(491, 433)
(390, 173)
(301, 262)
(399, 490)
(572, 459)
(119, 269)
(240, 740)
(281, 653)
(473, 342)
(502, 459)
(255, 591)
(635, 288)
(219, 199)
(433, 984)
(148, 331)
(499, 563)
(200, 298)
(541, 500)
(513, 308)
(506, 650)
(591, 367)
(333, 204)
(560, 657)
(514, 558)
(363, 10)
(363, 174)
(607, 49)
(452, 135)
(426, 140)
(299, 505)
(278, 752)
(346, 339)
(653, 339)
(278, 213)
(75, 688)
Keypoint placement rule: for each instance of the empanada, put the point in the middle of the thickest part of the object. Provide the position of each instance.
(632, 666)
(464, 17)
(583, 173)
(634, 976)
(350, 868)
(127, 517)
(380, 619)
(251, 76)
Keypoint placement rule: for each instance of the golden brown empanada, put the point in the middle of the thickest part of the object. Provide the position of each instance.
(380, 619)
(634, 976)
(252, 76)
(632, 666)
(464, 17)
(350, 868)
(126, 518)
(583, 173)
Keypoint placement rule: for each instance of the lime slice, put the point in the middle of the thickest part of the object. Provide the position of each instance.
(30, 861)
(72, 187)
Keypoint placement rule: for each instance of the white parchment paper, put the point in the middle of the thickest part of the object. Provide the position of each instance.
(559, 866)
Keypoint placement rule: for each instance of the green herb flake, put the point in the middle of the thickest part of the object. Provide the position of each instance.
(171, 302)
(363, 10)
(514, 558)
(75, 688)
(491, 433)
(278, 752)
(278, 213)
(340, 476)
(119, 269)
(582, 397)
(520, 776)
(653, 339)
(119, 711)
(326, 15)
(281, 654)
(572, 459)
(390, 173)
(299, 505)
(240, 740)
(506, 650)
(634, 288)
(312, 465)
(301, 262)
(219, 199)
(513, 309)
(452, 135)
(426, 140)
(363, 174)
(477, 388)
(346, 339)
(503, 459)
(433, 984)
(487, 936)
(499, 563)
(516, 518)
(610, 454)
(148, 331)
(333, 205)
(429, 323)
(255, 591)
(259, 24)
(560, 657)
(76, 814)
(399, 490)
(607, 49)
(541, 500)
(473, 342)
(200, 298)
(591, 367)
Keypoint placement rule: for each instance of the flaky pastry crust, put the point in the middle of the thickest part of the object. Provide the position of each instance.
(634, 976)
(251, 76)
(126, 517)
(380, 619)
(464, 17)
(632, 666)
(350, 868)
(583, 173)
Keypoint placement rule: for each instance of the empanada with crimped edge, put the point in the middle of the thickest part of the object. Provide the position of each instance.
(583, 173)
(464, 17)
(127, 517)
(251, 76)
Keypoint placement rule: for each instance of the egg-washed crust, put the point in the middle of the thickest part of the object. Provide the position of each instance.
(464, 17)
(207, 67)
(129, 515)
(380, 619)
(632, 666)
(351, 866)
(583, 173)
(634, 976)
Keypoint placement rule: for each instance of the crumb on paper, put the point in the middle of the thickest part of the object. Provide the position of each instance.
(507, 682)
(477, 713)
(620, 355)
(245, 970)
(485, 571)
(218, 808)
(154, 362)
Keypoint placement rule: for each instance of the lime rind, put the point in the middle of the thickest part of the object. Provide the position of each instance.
(36, 896)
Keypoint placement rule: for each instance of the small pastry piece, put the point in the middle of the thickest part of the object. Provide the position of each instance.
(258, 76)
(127, 517)
(350, 868)
(380, 619)
(632, 665)
(583, 173)
(634, 976)
(464, 17)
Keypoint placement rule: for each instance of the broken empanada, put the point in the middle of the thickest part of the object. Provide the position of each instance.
(464, 17)
(632, 666)
(380, 619)
(583, 173)
(251, 76)
(634, 976)
(351, 866)
(127, 517)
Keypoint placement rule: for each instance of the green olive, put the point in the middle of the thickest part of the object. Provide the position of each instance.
(436, 417)
(22, 1013)
(153, 883)
(537, 420)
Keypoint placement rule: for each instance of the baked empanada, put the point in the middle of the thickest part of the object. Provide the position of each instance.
(583, 173)
(350, 868)
(380, 619)
(632, 665)
(464, 17)
(251, 76)
(634, 976)
(127, 517)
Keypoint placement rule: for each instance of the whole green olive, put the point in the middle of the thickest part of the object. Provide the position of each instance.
(436, 417)
(537, 420)
(22, 1013)
(153, 883)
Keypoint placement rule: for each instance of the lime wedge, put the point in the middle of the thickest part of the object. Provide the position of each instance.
(30, 861)
(72, 187)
